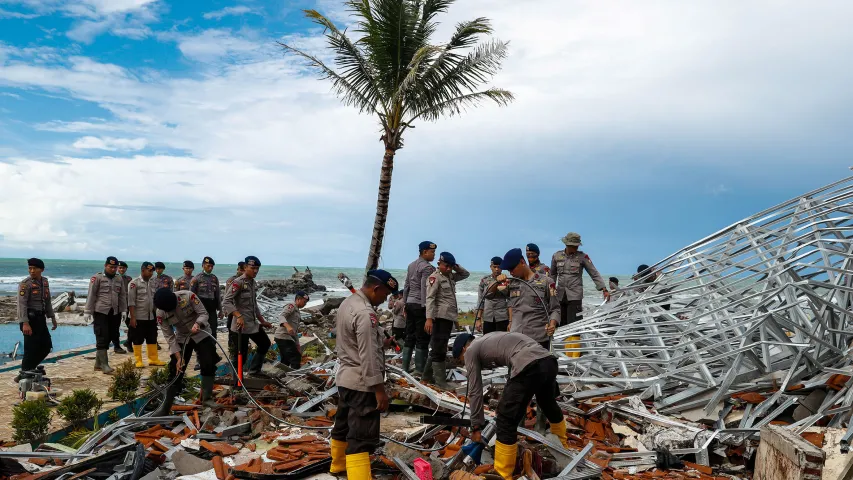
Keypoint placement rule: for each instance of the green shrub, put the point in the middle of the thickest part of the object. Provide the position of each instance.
(160, 377)
(79, 406)
(125, 383)
(30, 421)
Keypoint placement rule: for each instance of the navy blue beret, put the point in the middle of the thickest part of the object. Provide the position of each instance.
(426, 245)
(300, 293)
(35, 262)
(252, 261)
(512, 259)
(386, 278)
(122, 264)
(208, 261)
(461, 340)
(189, 264)
(111, 261)
(447, 258)
(160, 265)
(146, 265)
(496, 261)
(165, 300)
(532, 247)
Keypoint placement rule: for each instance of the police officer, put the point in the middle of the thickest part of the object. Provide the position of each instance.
(206, 286)
(241, 300)
(360, 377)
(232, 337)
(415, 295)
(143, 324)
(495, 307)
(183, 282)
(34, 308)
(287, 333)
(183, 322)
(116, 331)
(397, 304)
(533, 373)
(163, 280)
(567, 266)
(532, 252)
(441, 313)
(105, 303)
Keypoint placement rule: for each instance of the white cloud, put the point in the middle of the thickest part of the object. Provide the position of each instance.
(18, 15)
(110, 143)
(216, 44)
(228, 11)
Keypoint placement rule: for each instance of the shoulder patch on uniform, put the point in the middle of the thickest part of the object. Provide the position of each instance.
(586, 256)
(289, 308)
(23, 292)
(553, 288)
(159, 320)
(536, 277)
(195, 299)
(373, 319)
(235, 287)
(93, 278)
(45, 281)
(431, 280)
(132, 285)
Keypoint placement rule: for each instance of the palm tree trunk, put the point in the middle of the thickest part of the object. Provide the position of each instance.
(381, 210)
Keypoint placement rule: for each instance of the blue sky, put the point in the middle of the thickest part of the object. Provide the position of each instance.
(143, 128)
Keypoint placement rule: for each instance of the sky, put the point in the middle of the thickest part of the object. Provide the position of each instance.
(176, 129)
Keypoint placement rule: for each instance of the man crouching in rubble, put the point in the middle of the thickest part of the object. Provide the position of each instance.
(533, 372)
(360, 377)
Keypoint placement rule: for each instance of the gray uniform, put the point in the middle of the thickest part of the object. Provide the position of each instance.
(165, 281)
(140, 296)
(397, 310)
(541, 269)
(206, 286)
(292, 317)
(177, 325)
(528, 310)
(34, 295)
(502, 349)
(416, 280)
(241, 297)
(441, 294)
(568, 269)
(496, 306)
(359, 345)
(183, 283)
(106, 294)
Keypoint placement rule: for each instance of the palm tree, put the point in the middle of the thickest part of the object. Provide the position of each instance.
(391, 70)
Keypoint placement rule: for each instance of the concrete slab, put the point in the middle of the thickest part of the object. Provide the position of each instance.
(785, 455)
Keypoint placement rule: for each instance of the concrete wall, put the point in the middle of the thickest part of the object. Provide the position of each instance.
(783, 455)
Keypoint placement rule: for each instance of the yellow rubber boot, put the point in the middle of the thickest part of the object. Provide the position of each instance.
(153, 360)
(575, 343)
(137, 354)
(559, 430)
(358, 466)
(505, 459)
(339, 457)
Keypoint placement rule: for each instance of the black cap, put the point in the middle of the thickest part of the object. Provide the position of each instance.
(189, 264)
(146, 265)
(165, 300)
(496, 261)
(512, 259)
(111, 261)
(447, 258)
(614, 280)
(241, 264)
(642, 269)
(461, 340)
(532, 247)
(386, 278)
(122, 264)
(426, 245)
(252, 261)
(208, 261)
(160, 265)
(35, 262)
(301, 294)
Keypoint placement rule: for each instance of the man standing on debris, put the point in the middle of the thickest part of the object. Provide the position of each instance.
(494, 308)
(441, 314)
(360, 377)
(105, 304)
(116, 332)
(532, 252)
(415, 296)
(34, 308)
(241, 300)
(232, 337)
(183, 282)
(163, 280)
(567, 266)
(183, 321)
(287, 333)
(527, 302)
(140, 302)
(533, 372)
(397, 304)
(206, 286)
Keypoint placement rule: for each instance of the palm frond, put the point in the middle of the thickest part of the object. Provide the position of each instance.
(458, 105)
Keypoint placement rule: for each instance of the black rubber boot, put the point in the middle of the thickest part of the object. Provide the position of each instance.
(207, 392)
(165, 408)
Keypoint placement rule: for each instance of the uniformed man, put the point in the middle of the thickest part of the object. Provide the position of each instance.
(287, 333)
(183, 322)
(115, 332)
(441, 313)
(163, 280)
(528, 302)
(34, 308)
(241, 300)
(532, 252)
(415, 294)
(533, 373)
(567, 266)
(104, 304)
(206, 286)
(360, 377)
(397, 304)
(183, 282)
(143, 319)
(492, 310)
(232, 337)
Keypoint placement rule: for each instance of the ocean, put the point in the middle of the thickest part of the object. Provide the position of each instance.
(74, 275)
